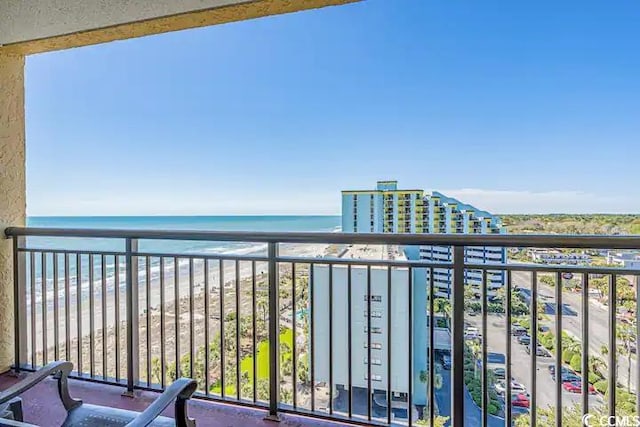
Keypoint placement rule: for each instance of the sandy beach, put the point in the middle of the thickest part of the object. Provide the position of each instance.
(108, 330)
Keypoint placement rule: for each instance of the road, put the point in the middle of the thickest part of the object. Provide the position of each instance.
(472, 413)
(598, 323)
(521, 365)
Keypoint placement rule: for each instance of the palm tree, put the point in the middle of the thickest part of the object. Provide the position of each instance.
(596, 364)
(604, 350)
(626, 335)
(442, 305)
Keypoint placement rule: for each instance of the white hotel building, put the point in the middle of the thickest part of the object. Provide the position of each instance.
(390, 210)
(387, 209)
(448, 215)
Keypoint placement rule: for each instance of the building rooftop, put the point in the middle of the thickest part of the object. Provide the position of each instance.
(374, 252)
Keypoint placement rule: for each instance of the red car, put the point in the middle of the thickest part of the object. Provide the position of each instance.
(576, 387)
(520, 400)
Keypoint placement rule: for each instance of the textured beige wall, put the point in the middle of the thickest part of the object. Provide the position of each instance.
(12, 187)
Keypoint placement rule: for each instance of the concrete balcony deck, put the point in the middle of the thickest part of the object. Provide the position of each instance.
(43, 407)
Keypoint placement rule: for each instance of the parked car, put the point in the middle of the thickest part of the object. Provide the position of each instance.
(520, 400)
(500, 373)
(576, 387)
(631, 347)
(541, 351)
(552, 370)
(524, 339)
(473, 337)
(496, 358)
(472, 333)
(446, 362)
(501, 388)
(568, 377)
(517, 330)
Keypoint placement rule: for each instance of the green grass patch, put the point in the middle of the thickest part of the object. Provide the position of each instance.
(262, 363)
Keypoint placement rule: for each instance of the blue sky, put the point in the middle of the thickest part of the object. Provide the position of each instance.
(512, 106)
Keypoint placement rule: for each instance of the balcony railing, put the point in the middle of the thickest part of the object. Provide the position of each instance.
(285, 332)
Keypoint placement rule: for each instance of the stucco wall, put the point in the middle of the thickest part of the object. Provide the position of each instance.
(12, 187)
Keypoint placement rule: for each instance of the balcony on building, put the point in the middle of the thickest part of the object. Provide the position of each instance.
(344, 337)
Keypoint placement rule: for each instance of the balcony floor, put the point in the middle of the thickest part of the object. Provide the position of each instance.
(42, 406)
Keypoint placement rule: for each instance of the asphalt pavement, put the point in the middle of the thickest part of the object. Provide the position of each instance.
(572, 323)
(521, 365)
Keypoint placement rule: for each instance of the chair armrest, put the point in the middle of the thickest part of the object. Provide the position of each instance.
(13, 423)
(180, 391)
(62, 368)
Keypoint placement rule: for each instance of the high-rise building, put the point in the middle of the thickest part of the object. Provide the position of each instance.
(383, 210)
(448, 215)
(376, 349)
(360, 323)
(389, 210)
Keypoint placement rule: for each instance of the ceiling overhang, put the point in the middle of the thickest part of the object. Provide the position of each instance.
(35, 26)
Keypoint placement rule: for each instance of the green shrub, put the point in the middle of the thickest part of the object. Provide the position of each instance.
(600, 386)
(567, 355)
(477, 397)
(576, 363)
(594, 378)
(493, 409)
(548, 340)
(468, 377)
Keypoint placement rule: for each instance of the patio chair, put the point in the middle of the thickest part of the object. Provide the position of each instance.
(80, 414)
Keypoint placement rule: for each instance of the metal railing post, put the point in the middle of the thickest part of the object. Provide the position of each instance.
(612, 384)
(274, 344)
(131, 290)
(457, 333)
(19, 302)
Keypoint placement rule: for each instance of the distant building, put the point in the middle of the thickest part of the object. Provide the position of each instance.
(554, 256)
(387, 209)
(390, 210)
(448, 215)
(383, 339)
(629, 260)
(383, 210)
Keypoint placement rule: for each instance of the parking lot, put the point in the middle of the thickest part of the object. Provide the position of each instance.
(521, 365)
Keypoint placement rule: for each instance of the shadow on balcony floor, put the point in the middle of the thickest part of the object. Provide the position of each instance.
(42, 406)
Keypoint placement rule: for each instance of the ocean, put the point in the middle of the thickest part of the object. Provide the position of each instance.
(209, 223)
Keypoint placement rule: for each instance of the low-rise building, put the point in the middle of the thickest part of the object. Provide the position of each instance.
(555, 256)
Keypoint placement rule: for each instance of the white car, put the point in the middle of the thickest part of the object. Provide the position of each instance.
(516, 388)
(471, 333)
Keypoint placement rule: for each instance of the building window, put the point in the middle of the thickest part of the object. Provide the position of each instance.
(373, 377)
(374, 345)
(374, 298)
(377, 314)
(374, 361)
(374, 330)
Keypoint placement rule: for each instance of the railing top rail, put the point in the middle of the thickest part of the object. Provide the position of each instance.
(500, 240)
